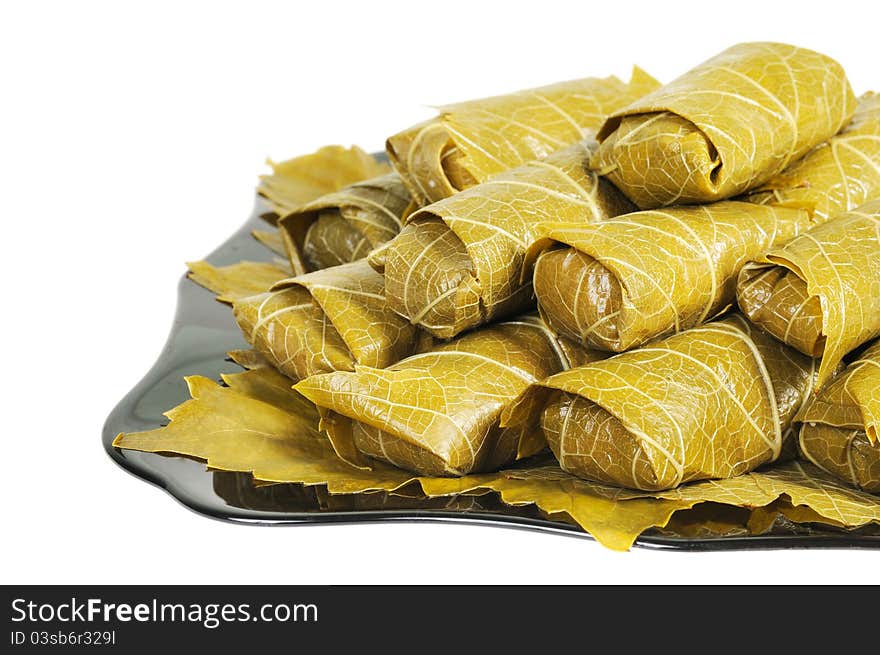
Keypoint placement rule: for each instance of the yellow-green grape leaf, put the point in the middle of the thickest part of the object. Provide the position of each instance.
(471, 141)
(299, 180)
(708, 521)
(460, 262)
(258, 425)
(238, 280)
(838, 175)
(615, 517)
(830, 498)
(821, 291)
(345, 225)
(614, 524)
(715, 401)
(618, 283)
(726, 126)
(781, 513)
(436, 413)
(325, 321)
(272, 240)
(838, 430)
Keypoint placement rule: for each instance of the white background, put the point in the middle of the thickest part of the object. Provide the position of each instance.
(131, 138)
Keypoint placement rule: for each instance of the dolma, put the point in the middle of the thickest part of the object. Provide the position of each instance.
(838, 175)
(715, 401)
(328, 320)
(618, 283)
(821, 291)
(470, 141)
(436, 413)
(726, 126)
(840, 426)
(345, 225)
(299, 180)
(459, 262)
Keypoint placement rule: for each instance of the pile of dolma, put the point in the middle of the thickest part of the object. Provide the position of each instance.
(627, 306)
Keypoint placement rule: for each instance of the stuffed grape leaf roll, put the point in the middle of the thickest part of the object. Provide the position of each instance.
(715, 401)
(618, 283)
(726, 126)
(820, 293)
(838, 175)
(345, 225)
(470, 141)
(839, 428)
(328, 320)
(460, 262)
(436, 413)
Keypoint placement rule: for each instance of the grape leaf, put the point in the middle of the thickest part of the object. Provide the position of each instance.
(296, 181)
(460, 262)
(344, 225)
(623, 281)
(820, 292)
(238, 280)
(839, 427)
(258, 425)
(726, 126)
(327, 320)
(471, 141)
(272, 240)
(715, 401)
(838, 175)
(437, 412)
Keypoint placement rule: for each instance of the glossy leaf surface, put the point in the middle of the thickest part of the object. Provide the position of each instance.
(345, 225)
(821, 291)
(839, 428)
(471, 141)
(715, 401)
(726, 126)
(838, 175)
(622, 282)
(240, 280)
(437, 412)
(299, 180)
(325, 321)
(460, 262)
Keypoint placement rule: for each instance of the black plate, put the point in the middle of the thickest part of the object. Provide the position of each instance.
(204, 331)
